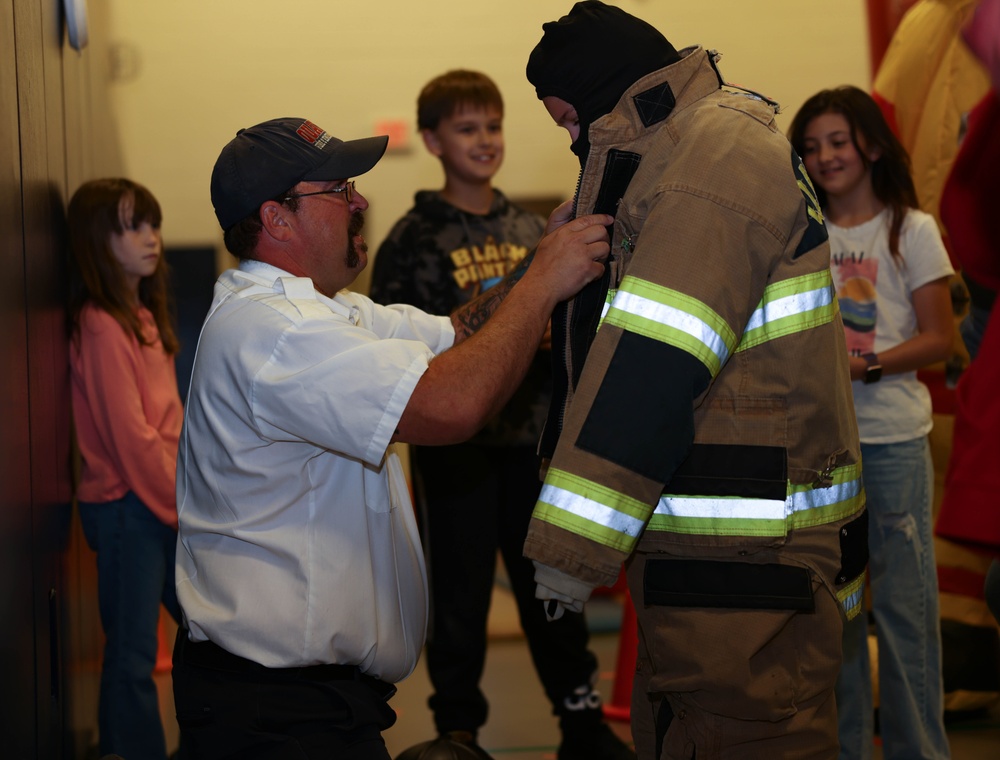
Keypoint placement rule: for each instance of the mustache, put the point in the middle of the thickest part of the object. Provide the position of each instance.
(354, 228)
(356, 224)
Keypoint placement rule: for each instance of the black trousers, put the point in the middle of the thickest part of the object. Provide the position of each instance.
(230, 707)
(472, 501)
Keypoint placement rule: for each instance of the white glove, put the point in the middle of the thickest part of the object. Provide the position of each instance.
(559, 591)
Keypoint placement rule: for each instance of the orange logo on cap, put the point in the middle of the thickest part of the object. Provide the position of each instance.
(309, 132)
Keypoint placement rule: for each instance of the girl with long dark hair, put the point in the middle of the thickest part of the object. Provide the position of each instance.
(891, 272)
(127, 413)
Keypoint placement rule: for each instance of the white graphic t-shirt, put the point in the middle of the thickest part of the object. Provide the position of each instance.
(875, 294)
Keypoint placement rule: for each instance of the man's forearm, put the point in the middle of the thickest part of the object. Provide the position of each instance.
(465, 386)
(471, 316)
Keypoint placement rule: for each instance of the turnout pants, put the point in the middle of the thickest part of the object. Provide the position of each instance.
(732, 681)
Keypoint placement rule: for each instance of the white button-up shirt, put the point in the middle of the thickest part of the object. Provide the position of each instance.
(297, 540)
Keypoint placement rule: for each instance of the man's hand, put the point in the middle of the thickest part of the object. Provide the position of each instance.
(562, 214)
(571, 256)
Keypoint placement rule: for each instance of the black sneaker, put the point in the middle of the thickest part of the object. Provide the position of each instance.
(593, 742)
(451, 745)
(462, 745)
(462, 737)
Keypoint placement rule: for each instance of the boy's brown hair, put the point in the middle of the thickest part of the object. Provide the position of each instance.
(445, 94)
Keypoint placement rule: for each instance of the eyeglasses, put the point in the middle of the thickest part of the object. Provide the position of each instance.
(347, 188)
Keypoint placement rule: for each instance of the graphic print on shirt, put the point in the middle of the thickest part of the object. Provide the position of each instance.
(854, 277)
(482, 267)
(438, 257)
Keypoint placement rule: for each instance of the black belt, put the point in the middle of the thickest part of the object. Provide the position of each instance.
(205, 654)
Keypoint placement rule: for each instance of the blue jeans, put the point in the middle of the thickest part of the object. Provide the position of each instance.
(135, 573)
(899, 483)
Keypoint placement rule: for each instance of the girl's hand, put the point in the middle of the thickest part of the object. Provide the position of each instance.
(933, 341)
(858, 368)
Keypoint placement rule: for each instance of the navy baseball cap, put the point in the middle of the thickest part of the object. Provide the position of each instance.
(265, 160)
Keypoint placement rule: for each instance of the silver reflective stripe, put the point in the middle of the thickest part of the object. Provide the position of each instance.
(673, 318)
(851, 596)
(591, 510)
(789, 306)
(853, 600)
(814, 498)
(761, 509)
(732, 508)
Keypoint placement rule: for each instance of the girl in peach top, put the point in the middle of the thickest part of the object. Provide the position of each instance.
(127, 413)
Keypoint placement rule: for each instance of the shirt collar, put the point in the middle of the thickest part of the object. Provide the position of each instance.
(269, 275)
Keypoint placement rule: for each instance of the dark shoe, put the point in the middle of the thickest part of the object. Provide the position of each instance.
(595, 741)
(452, 745)
(462, 737)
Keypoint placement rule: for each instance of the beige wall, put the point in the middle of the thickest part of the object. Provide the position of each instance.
(186, 74)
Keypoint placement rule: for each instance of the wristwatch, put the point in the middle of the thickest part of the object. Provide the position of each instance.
(873, 372)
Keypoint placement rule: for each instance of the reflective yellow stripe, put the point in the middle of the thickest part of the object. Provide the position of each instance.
(787, 307)
(851, 595)
(730, 516)
(809, 506)
(591, 510)
(791, 306)
(674, 318)
(613, 519)
(804, 506)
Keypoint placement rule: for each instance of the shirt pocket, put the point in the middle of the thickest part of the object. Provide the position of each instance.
(624, 240)
(376, 480)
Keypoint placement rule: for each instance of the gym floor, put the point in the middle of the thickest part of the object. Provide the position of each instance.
(521, 725)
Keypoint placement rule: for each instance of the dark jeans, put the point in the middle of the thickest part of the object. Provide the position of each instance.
(473, 501)
(135, 573)
(229, 707)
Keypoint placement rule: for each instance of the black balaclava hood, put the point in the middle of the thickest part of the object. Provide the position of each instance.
(590, 57)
